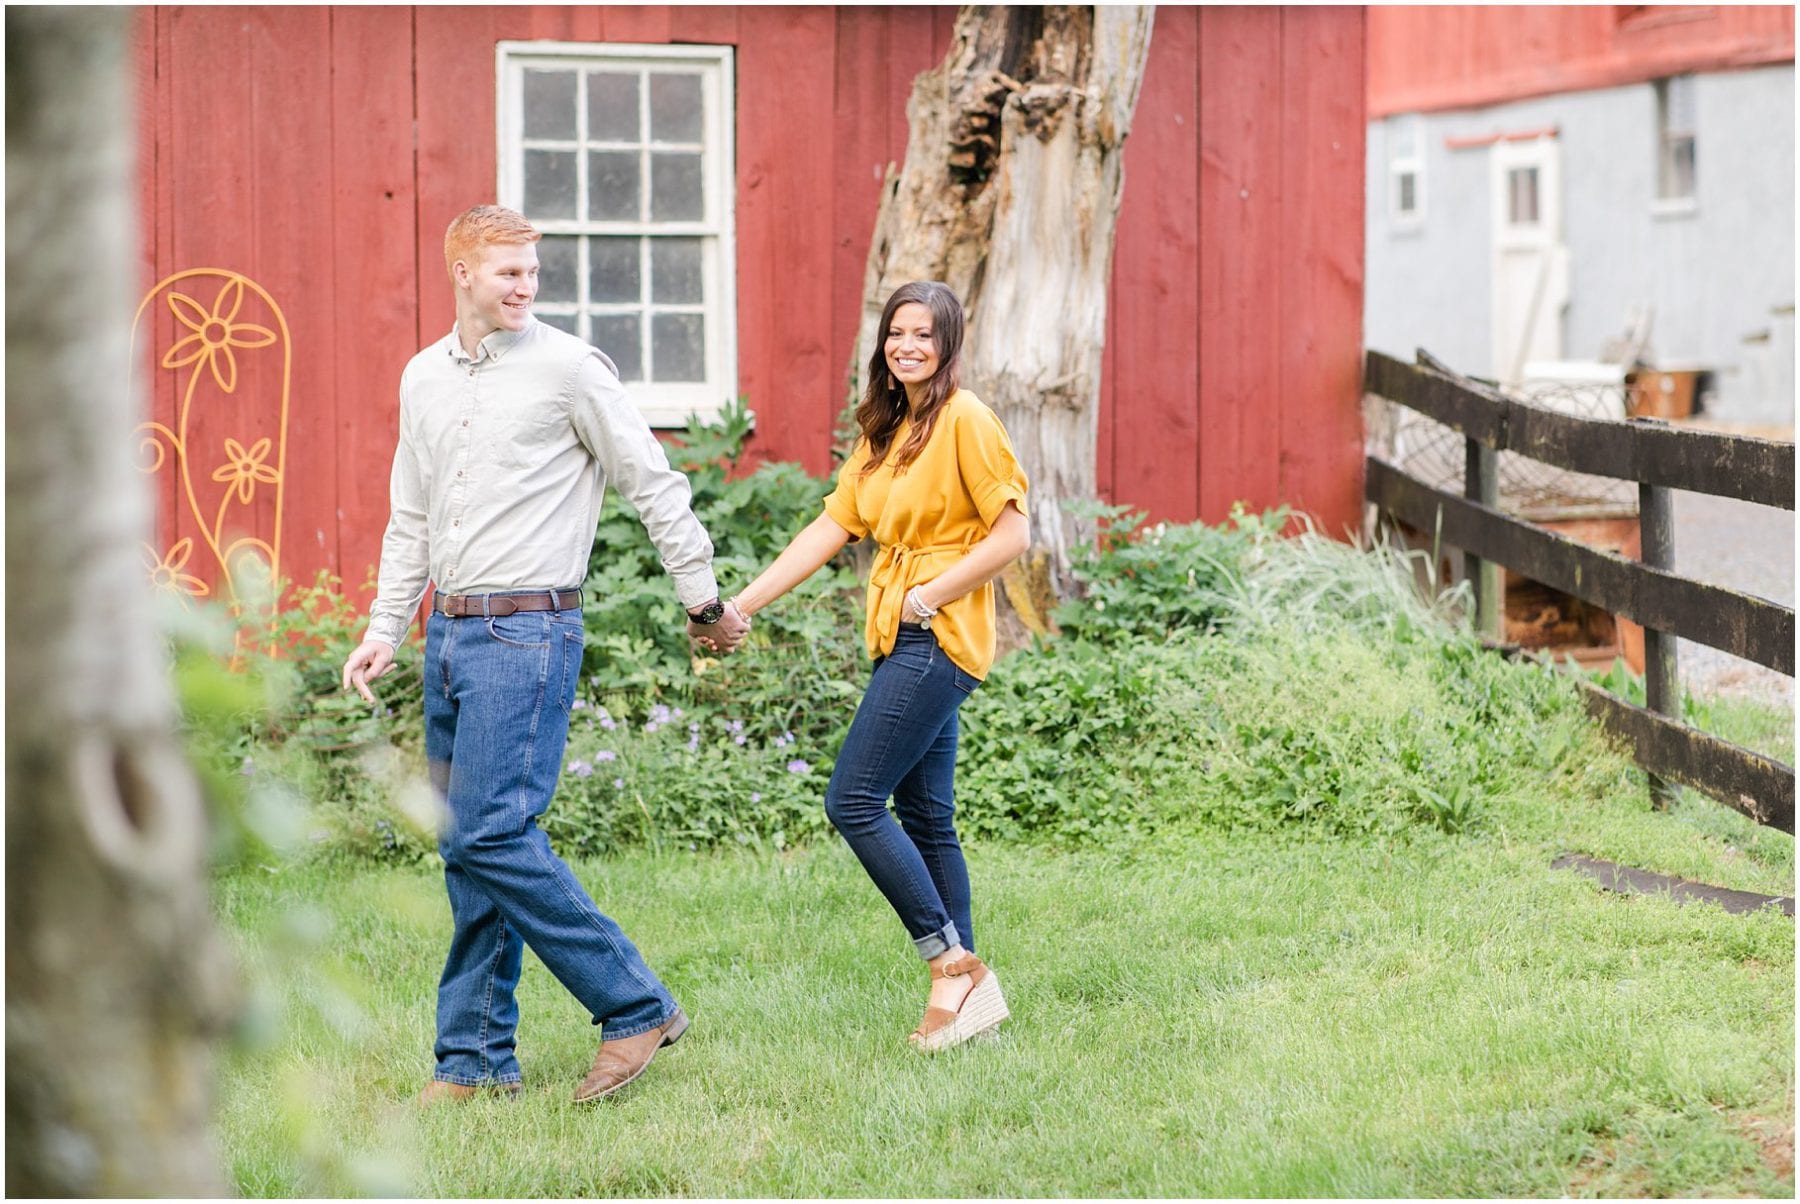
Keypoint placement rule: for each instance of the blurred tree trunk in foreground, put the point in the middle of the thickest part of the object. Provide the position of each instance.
(1009, 193)
(114, 976)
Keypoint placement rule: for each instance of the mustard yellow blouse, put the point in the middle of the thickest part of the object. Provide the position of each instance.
(927, 517)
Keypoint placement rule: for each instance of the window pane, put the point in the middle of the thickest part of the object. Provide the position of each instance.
(613, 186)
(675, 107)
(675, 271)
(621, 336)
(1522, 196)
(1407, 203)
(568, 322)
(550, 104)
(614, 272)
(675, 188)
(557, 269)
(680, 352)
(1677, 175)
(549, 184)
(613, 107)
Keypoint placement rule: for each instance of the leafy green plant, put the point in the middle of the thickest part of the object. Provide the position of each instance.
(1140, 581)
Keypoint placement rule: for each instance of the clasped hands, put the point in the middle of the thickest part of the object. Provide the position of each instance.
(723, 636)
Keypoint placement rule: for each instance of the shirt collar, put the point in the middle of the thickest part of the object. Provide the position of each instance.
(494, 345)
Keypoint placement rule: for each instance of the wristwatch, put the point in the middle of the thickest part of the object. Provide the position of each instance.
(709, 614)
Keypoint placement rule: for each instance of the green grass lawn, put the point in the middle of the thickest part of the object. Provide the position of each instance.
(1218, 1016)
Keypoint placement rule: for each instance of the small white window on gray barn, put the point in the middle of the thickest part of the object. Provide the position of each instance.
(622, 156)
(1406, 171)
(1675, 126)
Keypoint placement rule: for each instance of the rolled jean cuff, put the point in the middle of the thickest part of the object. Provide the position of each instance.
(942, 941)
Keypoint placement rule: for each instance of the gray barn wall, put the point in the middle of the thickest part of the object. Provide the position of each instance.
(1721, 278)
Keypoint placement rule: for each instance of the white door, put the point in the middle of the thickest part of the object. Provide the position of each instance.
(1531, 264)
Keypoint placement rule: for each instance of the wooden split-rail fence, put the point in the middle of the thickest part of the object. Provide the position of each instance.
(1660, 458)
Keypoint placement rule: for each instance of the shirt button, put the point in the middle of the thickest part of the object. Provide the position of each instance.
(457, 523)
(459, 472)
(465, 422)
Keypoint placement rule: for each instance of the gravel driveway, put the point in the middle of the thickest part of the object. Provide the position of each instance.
(1746, 547)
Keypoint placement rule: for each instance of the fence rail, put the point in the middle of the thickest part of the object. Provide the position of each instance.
(1660, 458)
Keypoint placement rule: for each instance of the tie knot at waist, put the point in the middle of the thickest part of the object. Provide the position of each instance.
(893, 555)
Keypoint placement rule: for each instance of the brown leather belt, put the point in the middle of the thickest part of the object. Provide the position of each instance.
(462, 606)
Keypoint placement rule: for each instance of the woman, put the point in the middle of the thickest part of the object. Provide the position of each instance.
(934, 480)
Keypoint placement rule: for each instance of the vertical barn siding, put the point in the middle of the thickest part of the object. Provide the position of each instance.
(374, 263)
(785, 99)
(1320, 269)
(1232, 363)
(289, 223)
(1242, 319)
(1423, 59)
(1150, 410)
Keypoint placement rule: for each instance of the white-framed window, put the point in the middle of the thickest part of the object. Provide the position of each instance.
(1675, 126)
(1406, 172)
(1523, 203)
(622, 156)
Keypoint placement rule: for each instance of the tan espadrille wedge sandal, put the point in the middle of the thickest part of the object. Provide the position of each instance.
(981, 1010)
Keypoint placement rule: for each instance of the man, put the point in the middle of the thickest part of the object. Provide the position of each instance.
(510, 431)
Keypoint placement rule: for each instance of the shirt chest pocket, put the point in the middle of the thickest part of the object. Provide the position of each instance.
(522, 437)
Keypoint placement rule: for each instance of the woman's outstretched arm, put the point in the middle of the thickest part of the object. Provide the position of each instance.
(805, 555)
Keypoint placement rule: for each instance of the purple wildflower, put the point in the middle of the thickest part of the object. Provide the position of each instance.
(740, 739)
(736, 725)
(799, 766)
(578, 704)
(581, 769)
(608, 723)
(756, 796)
(606, 754)
(618, 783)
(693, 729)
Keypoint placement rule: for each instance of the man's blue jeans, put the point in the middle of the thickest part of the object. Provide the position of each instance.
(902, 743)
(497, 695)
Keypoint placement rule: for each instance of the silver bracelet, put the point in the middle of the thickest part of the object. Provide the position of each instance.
(917, 601)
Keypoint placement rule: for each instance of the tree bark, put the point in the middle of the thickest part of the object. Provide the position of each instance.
(1009, 194)
(114, 977)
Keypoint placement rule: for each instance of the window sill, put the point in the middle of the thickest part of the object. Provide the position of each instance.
(1406, 227)
(1672, 208)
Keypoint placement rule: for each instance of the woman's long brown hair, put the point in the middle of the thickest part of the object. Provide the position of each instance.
(883, 406)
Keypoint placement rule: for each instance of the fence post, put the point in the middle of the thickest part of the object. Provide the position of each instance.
(1481, 483)
(1662, 688)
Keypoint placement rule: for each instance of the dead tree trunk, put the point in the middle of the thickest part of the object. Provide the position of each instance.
(113, 975)
(1009, 194)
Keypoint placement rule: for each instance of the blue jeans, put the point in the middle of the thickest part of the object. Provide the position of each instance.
(902, 743)
(497, 695)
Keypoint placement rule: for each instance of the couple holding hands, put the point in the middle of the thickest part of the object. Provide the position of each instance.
(510, 431)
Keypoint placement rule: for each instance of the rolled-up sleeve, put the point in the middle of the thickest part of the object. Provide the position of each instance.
(990, 471)
(840, 503)
(636, 465)
(405, 546)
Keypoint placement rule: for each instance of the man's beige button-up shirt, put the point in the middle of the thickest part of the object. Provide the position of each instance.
(502, 461)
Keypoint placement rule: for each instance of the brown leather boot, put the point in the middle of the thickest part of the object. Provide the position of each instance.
(980, 1011)
(618, 1062)
(439, 1092)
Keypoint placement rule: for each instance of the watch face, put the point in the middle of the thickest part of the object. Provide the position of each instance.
(711, 613)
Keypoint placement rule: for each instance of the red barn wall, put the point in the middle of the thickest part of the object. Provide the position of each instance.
(1423, 59)
(321, 151)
